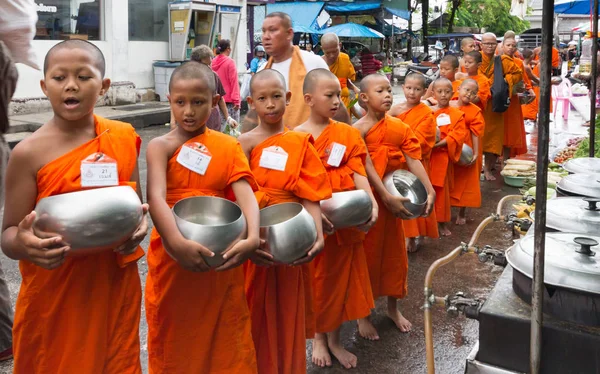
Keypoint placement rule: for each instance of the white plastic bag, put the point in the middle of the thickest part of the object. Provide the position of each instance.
(17, 29)
(245, 89)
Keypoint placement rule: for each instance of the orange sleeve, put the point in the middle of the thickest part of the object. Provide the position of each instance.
(512, 73)
(484, 90)
(477, 124)
(240, 168)
(425, 133)
(555, 58)
(357, 157)
(313, 182)
(411, 146)
(456, 137)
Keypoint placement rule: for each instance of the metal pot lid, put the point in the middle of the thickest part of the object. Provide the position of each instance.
(571, 261)
(583, 165)
(587, 185)
(574, 214)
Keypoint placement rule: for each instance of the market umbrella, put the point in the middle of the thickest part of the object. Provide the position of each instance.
(573, 7)
(353, 30)
(304, 29)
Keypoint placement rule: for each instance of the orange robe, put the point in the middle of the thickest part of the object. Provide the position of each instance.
(199, 322)
(455, 86)
(514, 125)
(384, 244)
(493, 138)
(344, 70)
(465, 190)
(530, 111)
(342, 289)
(484, 90)
(443, 159)
(297, 112)
(82, 317)
(420, 121)
(280, 297)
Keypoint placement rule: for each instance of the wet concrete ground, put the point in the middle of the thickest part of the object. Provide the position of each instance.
(395, 352)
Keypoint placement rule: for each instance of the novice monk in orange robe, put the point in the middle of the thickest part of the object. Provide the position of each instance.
(472, 62)
(465, 190)
(446, 151)
(74, 313)
(530, 111)
(514, 125)
(279, 296)
(198, 318)
(342, 289)
(448, 68)
(419, 118)
(466, 45)
(390, 143)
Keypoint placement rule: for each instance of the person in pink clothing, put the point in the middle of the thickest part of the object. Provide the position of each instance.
(225, 68)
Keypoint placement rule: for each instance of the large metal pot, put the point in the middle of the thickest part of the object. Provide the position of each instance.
(348, 208)
(573, 214)
(571, 275)
(93, 220)
(466, 155)
(213, 222)
(406, 184)
(288, 230)
(585, 185)
(583, 165)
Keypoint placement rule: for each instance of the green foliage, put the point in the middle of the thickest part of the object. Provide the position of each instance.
(493, 15)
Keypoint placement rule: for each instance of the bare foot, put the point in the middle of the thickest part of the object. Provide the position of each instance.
(412, 245)
(367, 330)
(321, 356)
(489, 176)
(461, 220)
(402, 323)
(444, 231)
(347, 359)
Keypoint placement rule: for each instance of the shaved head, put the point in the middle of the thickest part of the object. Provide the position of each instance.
(489, 37)
(416, 77)
(370, 80)
(194, 70)
(314, 76)
(452, 60)
(466, 41)
(95, 53)
(271, 75)
(286, 20)
(510, 35)
(475, 55)
(469, 81)
(442, 81)
(330, 39)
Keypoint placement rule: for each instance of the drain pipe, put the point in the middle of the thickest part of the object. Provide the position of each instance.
(430, 299)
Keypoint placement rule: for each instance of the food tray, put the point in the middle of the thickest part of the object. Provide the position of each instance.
(514, 181)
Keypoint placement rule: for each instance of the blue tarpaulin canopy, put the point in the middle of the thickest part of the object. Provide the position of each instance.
(364, 7)
(304, 29)
(303, 13)
(353, 30)
(573, 7)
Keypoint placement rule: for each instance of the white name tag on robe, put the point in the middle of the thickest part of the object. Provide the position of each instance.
(195, 157)
(443, 120)
(336, 154)
(274, 158)
(99, 170)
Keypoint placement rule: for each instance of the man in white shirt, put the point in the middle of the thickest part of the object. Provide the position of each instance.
(292, 62)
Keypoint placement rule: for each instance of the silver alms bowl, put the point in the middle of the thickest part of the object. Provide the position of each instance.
(406, 184)
(289, 231)
(466, 155)
(348, 208)
(213, 222)
(93, 220)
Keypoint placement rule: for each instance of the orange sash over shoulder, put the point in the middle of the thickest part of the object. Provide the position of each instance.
(514, 126)
(280, 297)
(443, 159)
(199, 322)
(344, 70)
(296, 113)
(465, 190)
(341, 277)
(384, 245)
(82, 317)
(420, 120)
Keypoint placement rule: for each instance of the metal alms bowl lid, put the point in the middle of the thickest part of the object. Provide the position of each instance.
(571, 261)
(574, 214)
(583, 165)
(587, 185)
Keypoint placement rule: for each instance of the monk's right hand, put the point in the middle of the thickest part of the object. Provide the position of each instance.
(48, 252)
(188, 255)
(261, 257)
(395, 204)
(328, 227)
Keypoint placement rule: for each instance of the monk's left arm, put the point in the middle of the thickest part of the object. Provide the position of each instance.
(362, 183)
(476, 146)
(314, 209)
(416, 167)
(353, 87)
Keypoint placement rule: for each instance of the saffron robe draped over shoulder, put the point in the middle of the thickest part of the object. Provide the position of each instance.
(514, 125)
(280, 297)
(199, 322)
(388, 141)
(420, 120)
(530, 111)
(493, 137)
(297, 112)
(465, 190)
(443, 159)
(341, 284)
(484, 90)
(82, 317)
(344, 70)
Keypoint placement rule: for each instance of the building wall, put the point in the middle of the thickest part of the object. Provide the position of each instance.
(125, 60)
